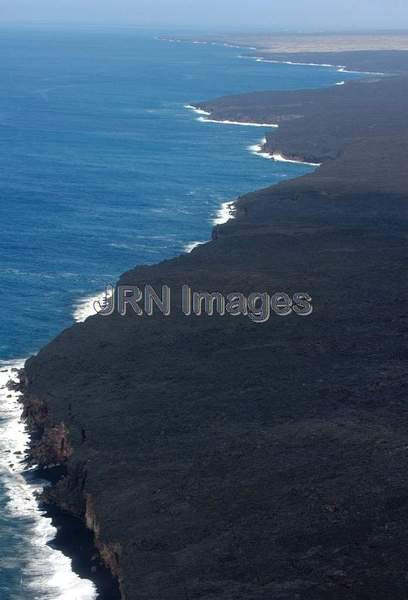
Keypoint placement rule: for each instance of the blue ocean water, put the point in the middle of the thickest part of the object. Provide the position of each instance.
(102, 168)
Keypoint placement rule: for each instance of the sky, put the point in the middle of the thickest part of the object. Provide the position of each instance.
(315, 15)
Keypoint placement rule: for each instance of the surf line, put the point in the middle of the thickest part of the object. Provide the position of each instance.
(204, 118)
(43, 568)
(339, 68)
(259, 150)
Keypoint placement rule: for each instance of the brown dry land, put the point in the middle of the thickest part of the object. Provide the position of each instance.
(276, 42)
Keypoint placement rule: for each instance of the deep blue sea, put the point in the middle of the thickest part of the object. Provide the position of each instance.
(102, 168)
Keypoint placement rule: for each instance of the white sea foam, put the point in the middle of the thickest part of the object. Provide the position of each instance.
(339, 68)
(204, 42)
(258, 150)
(84, 307)
(170, 40)
(244, 124)
(280, 158)
(45, 572)
(204, 119)
(224, 213)
(191, 245)
(342, 69)
(199, 111)
(261, 59)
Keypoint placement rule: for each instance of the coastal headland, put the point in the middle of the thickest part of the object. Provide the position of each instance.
(219, 458)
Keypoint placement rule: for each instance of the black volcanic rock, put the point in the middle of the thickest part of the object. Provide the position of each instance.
(220, 459)
(368, 61)
(319, 125)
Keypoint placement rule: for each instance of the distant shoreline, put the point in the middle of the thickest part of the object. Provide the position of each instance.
(297, 43)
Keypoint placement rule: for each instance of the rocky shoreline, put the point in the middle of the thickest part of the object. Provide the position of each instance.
(220, 460)
(71, 511)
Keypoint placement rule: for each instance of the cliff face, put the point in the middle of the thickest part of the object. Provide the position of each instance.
(50, 449)
(215, 458)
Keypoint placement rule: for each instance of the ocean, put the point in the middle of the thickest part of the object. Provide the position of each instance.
(102, 168)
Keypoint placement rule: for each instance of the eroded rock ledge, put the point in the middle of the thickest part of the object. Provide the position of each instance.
(52, 452)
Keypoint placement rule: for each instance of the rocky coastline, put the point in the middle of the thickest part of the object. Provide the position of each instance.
(221, 460)
(64, 498)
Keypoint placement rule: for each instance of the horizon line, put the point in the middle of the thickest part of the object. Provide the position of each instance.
(210, 29)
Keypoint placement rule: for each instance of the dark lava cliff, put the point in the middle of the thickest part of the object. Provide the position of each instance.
(220, 459)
